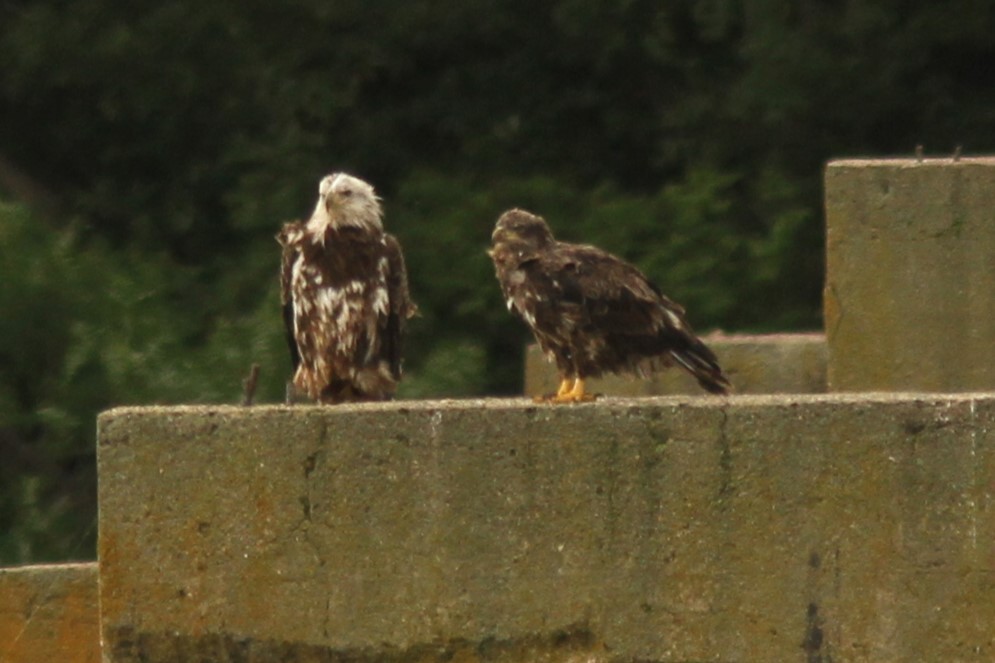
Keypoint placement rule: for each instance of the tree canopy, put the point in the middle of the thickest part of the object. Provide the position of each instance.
(148, 154)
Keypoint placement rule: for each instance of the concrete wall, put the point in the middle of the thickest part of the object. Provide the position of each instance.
(910, 276)
(49, 614)
(750, 528)
(756, 364)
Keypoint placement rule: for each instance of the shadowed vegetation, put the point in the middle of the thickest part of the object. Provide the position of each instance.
(148, 156)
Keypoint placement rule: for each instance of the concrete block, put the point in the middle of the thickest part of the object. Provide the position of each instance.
(49, 613)
(751, 528)
(910, 280)
(756, 364)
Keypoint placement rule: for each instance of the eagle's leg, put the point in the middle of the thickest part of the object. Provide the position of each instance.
(566, 384)
(576, 394)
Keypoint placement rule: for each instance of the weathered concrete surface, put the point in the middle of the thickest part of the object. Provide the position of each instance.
(910, 279)
(49, 614)
(756, 364)
(752, 528)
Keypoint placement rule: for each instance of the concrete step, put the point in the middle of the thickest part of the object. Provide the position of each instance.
(755, 363)
(910, 279)
(49, 614)
(749, 528)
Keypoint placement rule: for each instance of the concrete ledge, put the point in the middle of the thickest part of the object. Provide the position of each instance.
(49, 614)
(750, 528)
(910, 278)
(756, 364)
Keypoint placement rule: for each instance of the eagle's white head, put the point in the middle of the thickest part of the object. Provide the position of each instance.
(344, 200)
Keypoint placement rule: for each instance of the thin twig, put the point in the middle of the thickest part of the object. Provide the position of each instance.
(249, 385)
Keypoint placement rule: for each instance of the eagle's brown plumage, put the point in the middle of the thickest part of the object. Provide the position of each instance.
(592, 312)
(344, 291)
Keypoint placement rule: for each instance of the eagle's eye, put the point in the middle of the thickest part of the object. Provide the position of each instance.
(346, 192)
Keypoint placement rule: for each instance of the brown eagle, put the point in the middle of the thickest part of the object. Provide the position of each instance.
(344, 291)
(592, 312)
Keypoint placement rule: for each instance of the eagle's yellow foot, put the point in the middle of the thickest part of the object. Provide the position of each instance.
(566, 385)
(575, 394)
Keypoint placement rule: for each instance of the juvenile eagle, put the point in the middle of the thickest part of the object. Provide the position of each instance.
(344, 291)
(592, 312)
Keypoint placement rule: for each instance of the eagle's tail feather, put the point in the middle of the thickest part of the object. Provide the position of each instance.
(704, 366)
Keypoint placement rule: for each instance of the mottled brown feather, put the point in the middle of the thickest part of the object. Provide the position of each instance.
(362, 359)
(286, 238)
(592, 312)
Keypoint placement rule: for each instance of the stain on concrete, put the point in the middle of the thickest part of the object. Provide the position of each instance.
(573, 644)
(49, 613)
(726, 486)
(812, 644)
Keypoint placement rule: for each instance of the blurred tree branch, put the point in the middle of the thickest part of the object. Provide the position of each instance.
(24, 188)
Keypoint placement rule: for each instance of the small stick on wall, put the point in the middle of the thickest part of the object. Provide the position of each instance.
(249, 385)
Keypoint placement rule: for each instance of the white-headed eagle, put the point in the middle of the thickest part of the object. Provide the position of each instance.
(591, 312)
(344, 291)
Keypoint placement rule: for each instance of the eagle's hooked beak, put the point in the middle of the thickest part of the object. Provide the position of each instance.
(494, 240)
(503, 233)
(336, 198)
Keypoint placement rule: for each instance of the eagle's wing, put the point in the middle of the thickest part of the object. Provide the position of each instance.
(400, 306)
(614, 295)
(617, 300)
(288, 238)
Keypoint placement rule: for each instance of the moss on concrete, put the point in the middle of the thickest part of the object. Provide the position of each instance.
(571, 645)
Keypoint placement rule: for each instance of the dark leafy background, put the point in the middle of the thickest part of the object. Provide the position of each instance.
(148, 154)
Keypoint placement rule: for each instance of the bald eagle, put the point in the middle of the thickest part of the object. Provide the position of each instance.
(344, 292)
(591, 312)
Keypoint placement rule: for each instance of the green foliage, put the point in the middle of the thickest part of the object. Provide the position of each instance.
(44, 422)
(174, 140)
(86, 328)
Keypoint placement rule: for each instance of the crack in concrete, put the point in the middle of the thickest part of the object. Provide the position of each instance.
(306, 522)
